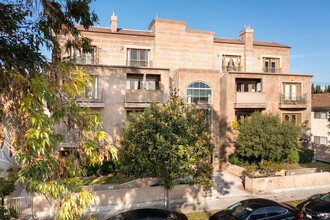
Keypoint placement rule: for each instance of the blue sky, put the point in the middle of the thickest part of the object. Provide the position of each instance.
(302, 24)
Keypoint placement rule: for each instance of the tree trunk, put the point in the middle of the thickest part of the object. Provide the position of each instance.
(168, 200)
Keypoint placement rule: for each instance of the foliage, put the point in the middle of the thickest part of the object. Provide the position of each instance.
(107, 167)
(265, 137)
(7, 214)
(269, 168)
(7, 185)
(318, 90)
(250, 170)
(293, 157)
(306, 155)
(36, 96)
(238, 160)
(170, 141)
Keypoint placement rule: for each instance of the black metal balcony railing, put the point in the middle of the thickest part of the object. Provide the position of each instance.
(91, 96)
(271, 70)
(293, 100)
(139, 63)
(232, 68)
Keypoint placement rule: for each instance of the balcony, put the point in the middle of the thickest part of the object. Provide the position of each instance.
(139, 63)
(293, 102)
(250, 100)
(71, 138)
(271, 70)
(142, 98)
(92, 99)
(232, 68)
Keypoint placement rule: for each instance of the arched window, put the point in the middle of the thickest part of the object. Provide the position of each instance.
(199, 93)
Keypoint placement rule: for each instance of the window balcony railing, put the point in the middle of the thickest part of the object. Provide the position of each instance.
(293, 100)
(139, 63)
(92, 96)
(143, 96)
(232, 68)
(250, 99)
(271, 70)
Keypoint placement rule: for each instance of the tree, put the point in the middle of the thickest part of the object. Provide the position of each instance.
(313, 89)
(7, 186)
(36, 95)
(170, 141)
(265, 137)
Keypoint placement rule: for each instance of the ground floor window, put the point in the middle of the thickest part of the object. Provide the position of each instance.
(242, 115)
(292, 117)
(133, 112)
(320, 140)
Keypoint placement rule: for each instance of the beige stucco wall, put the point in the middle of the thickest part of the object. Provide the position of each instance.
(272, 86)
(282, 182)
(320, 127)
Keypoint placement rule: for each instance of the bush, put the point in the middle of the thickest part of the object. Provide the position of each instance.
(269, 168)
(238, 160)
(306, 155)
(292, 157)
(107, 167)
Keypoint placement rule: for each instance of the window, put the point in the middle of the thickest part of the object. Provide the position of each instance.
(275, 210)
(240, 116)
(271, 65)
(320, 140)
(248, 85)
(292, 94)
(258, 214)
(319, 114)
(231, 63)
(78, 56)
(143, 81)
(199, 93)
(138, 57)
(292, 117)
(93, 93)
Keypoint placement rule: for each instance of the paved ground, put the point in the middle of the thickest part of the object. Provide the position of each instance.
(229, 191)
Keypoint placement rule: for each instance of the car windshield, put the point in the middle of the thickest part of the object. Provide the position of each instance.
(326, 197)
(239, 210)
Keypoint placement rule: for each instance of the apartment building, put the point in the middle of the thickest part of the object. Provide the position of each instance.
(226, 78)
(320, 130)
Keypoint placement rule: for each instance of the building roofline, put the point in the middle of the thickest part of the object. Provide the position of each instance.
(121, 66)
(273, 74)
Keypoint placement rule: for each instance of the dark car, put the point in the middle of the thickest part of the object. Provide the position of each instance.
(318, 208)
(258, 209)
(149, 214)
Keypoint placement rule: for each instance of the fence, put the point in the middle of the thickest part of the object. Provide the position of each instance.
(22, 205)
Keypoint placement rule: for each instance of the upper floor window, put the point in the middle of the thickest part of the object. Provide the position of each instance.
(248, 85)
(320, 114)
(231, 63)
(143, 81)
(93, 93)
(199, 93)
(271, 65)
(80, 57)
(292, 92)
(292, 117)
(138, 57)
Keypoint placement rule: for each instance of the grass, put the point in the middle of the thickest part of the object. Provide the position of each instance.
(288, 166)
(205, 215)
(111, 179)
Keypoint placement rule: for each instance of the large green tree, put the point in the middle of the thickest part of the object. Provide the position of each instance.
(265, 137)
(37, 95)
(170, 141)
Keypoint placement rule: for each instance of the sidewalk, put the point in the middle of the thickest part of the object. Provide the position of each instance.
(228, 192)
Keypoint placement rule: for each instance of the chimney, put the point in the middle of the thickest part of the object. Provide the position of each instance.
(246, 36)
(113, 22)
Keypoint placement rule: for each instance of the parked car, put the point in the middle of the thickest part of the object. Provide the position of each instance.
(150, 214)
(318, 208)
(258, 209)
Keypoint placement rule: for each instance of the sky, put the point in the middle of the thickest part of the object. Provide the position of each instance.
(302, 24)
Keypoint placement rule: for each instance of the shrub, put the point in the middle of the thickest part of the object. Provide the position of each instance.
(250, 170)
(265, 137)
(238, 160)
(269, 168)
(306, 155)
(107, 167)
(292, 157)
